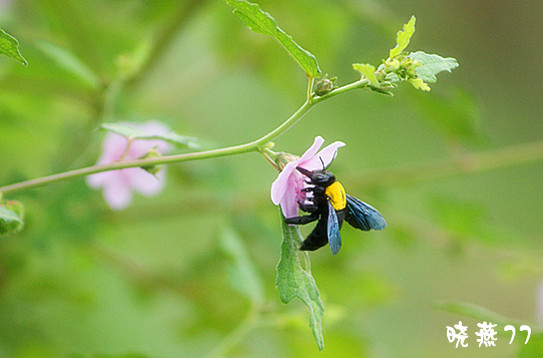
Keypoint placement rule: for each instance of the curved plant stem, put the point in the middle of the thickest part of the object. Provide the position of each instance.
(215, 153)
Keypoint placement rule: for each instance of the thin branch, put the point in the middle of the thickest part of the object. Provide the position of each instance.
(444, 168)
(215, 153)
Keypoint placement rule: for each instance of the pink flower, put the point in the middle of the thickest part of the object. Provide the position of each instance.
(286, 190)
(118, 185)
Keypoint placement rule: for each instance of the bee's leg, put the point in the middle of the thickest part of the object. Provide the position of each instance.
(302, 220)
(314, 189)
(308, 208)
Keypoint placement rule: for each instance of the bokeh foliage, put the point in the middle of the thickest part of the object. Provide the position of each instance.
(165, 278)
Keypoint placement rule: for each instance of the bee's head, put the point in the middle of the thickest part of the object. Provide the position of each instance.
(318, 177)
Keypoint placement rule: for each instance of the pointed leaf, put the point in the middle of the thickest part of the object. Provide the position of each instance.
(263, 23)
(129, 131)
(419, 84)
(403, 37)
(431, 65)
(243, 274)
(367, 71)
(294, 279)
(70, 63)
(9, 46)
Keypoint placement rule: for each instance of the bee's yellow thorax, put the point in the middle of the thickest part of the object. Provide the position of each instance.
(336, 194)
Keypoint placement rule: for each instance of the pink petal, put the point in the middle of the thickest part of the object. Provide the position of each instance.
(310, 153)
(97, 180)
(146, 183)
(117, 193)
(158, 128)
(327, 155)
(280, 185)
(289, 206)
(113, 148)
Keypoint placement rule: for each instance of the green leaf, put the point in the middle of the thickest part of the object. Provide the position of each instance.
(367, 71)
(131, 132)
(10, 222)
(9, 46)
(243, 274)
(419, 84)
(263, 23)
(294, 279)
(403, 37)
(69, 63)
(431, 65)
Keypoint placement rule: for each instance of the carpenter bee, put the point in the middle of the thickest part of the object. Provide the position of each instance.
(330, 205)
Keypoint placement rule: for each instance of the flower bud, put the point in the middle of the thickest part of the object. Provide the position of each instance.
(325, 85)
(392, 65)
(152, 153)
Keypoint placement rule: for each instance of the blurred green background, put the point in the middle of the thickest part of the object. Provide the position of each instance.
(456, 172)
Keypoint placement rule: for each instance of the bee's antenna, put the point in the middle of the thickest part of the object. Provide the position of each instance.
(323, 166)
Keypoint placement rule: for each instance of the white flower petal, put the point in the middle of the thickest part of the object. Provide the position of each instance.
(280, 185)
(146, 183)
(310, 153)
(117, 192)
(325, 156)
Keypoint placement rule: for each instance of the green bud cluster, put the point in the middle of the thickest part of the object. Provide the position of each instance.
(401, 68)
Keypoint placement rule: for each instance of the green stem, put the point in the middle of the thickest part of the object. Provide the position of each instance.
(127, 164)
(215, 153)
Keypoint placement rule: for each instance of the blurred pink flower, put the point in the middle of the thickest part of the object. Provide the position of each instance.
(118, 185)
(286, 190)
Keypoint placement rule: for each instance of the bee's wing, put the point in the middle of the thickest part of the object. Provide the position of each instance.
(334, 238)
(363, 216)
